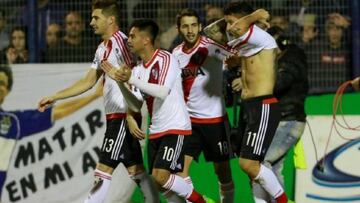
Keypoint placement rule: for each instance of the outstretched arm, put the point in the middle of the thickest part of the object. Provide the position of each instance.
(77, 88)
(242, 25)
(66, 108)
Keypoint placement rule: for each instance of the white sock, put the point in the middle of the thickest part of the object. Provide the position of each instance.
(147, 186)
(189, 182)
(226, 192)
(172, 197)
(259, 193)
(267, 179)
(178, 185)
(100, 188)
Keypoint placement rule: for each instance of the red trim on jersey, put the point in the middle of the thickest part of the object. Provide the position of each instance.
(123, 47)
(208, 120)
(247, 38)
(178, 47)
(188, 51)
(108, 49)
(112, 116)
(125, 52)
(170, 132)
(189, 72)
(165, 68)
(270, 101)
(102, 176)
(146, 65)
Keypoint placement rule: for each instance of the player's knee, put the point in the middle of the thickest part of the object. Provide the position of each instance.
(161, 176)
(135, 169)
(105, 168)
(223, 171)
(250, 167)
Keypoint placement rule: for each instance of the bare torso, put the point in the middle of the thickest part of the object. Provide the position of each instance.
(258, 74)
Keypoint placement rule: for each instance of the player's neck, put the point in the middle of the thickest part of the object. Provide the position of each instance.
(147, 54)
(110, 32)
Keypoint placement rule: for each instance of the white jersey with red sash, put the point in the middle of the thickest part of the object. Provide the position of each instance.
(202, 73)
(168, 116)
(116, 52)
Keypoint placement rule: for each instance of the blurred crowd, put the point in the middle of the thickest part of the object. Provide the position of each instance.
(320, 27)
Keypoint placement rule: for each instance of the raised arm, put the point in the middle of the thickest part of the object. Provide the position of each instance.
(242, 25)
(77, 88)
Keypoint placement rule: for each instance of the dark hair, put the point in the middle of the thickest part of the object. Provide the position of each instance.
(148, 26)
(22, 29)
(281, 39)
(4, 68)
(241, 8)
(108, 7)
(186, 12)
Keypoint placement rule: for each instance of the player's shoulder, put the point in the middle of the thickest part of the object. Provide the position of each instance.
(164, 53)
(118, 38)
(178, 48)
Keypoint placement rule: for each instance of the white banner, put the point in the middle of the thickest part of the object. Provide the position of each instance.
(56, 165)
(337, 177)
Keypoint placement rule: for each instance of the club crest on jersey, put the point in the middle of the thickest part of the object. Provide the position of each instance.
(154, 73)
(218, 52)
(96, 61)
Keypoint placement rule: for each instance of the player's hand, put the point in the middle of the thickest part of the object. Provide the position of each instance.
(124, 73)
(121, 74)
(263, 16)
(236, 84)
(233, 61)
(355, 83)
(45, 102)
(134, 128)
(110, 70)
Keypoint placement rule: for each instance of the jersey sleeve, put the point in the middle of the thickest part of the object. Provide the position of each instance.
(219, 51)
(170, 71)
(253, 41)
(260, 38)
(97, 60)
(136, 91)
(33, 121)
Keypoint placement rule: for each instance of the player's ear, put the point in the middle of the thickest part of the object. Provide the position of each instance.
(112, 20)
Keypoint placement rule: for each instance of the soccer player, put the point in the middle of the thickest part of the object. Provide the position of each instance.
(260, 113)
(201, 61)
(16, 125)
(119, 146)
(158, 79)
